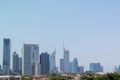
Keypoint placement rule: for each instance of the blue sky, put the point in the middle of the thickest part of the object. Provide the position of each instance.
(90, 29)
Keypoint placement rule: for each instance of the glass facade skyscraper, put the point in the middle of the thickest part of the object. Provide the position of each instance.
(6, 56)
(45, 63)
(66, 61)
(75, 66)
(53, 62)
(30, 57)
(15, 62)
(96, 67)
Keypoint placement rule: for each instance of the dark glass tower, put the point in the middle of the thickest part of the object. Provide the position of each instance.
(15, 62)
(6, 56)
(45, 63)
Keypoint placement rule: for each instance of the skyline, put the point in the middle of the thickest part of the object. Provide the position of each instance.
(89, 29)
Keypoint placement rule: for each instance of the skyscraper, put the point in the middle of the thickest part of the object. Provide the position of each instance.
(45, 63)
(96, 67)
(66, 61)
(30, 57)
(62, 65)
(80, 69)
(20, 65)
(15, 62)
(6, 56)
(70, 67)
(53, 62)
(117, 69)
(75, 66)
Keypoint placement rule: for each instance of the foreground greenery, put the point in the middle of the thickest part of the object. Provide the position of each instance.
(88, 76)
(109, 76)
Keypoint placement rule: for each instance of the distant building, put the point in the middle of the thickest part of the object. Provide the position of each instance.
(30, 56)
(62, 65)
(0, 67)
(20, 65)
(15, 62)
(66, 61)
(45, 63)
(96, 67)
(80, 69)
(70, 67)
(75, 66)
(6, 56)
(0, 70)
(53, 62)
(117, 69)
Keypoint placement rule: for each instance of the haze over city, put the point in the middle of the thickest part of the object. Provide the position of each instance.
(89, 29)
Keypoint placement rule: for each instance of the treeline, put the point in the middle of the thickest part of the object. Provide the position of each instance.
(88, 76)
(108, 76)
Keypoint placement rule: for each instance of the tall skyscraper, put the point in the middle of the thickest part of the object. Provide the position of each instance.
(15, 62)
(45, 63)
(0, 67)
(6, 56)
(20, 65)
(80, 69)
(53, 62)
(62, 65)
(75, 66)
(66, 61)
(30, 57)
(96, 67)
(70, 67)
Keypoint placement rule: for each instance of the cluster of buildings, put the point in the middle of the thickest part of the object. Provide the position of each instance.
(67, 66)
(30, 63)
(33, 63)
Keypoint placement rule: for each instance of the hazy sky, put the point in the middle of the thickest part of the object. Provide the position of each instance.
(90, 29)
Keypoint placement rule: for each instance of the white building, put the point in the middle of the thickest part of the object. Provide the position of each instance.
(53, 62)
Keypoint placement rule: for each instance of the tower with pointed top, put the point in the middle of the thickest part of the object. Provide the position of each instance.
(53, 62)
(66, 60)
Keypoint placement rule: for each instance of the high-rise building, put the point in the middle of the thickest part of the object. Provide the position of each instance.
(53, 62)
(96, 67)
(70, 67)
(80, 69)
(117, 69)
(6, 56)
(15, 62)
(0, 67)
(20, 65)
(45, 63)
(30, 56)
(75, 66)
(62, 65)
(66, 61)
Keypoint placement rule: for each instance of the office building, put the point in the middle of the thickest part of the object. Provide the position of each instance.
(70, 67)
(53, 62)
(96, 67)
(66, 61)
(80, 69)
(62, 65)
(45, 63)
(20, 65)
(15, 62)
(117, 69)
(30, 56)
(75, 66)
(6, 56)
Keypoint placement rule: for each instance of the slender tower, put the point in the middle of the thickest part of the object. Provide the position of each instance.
(6, 56)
